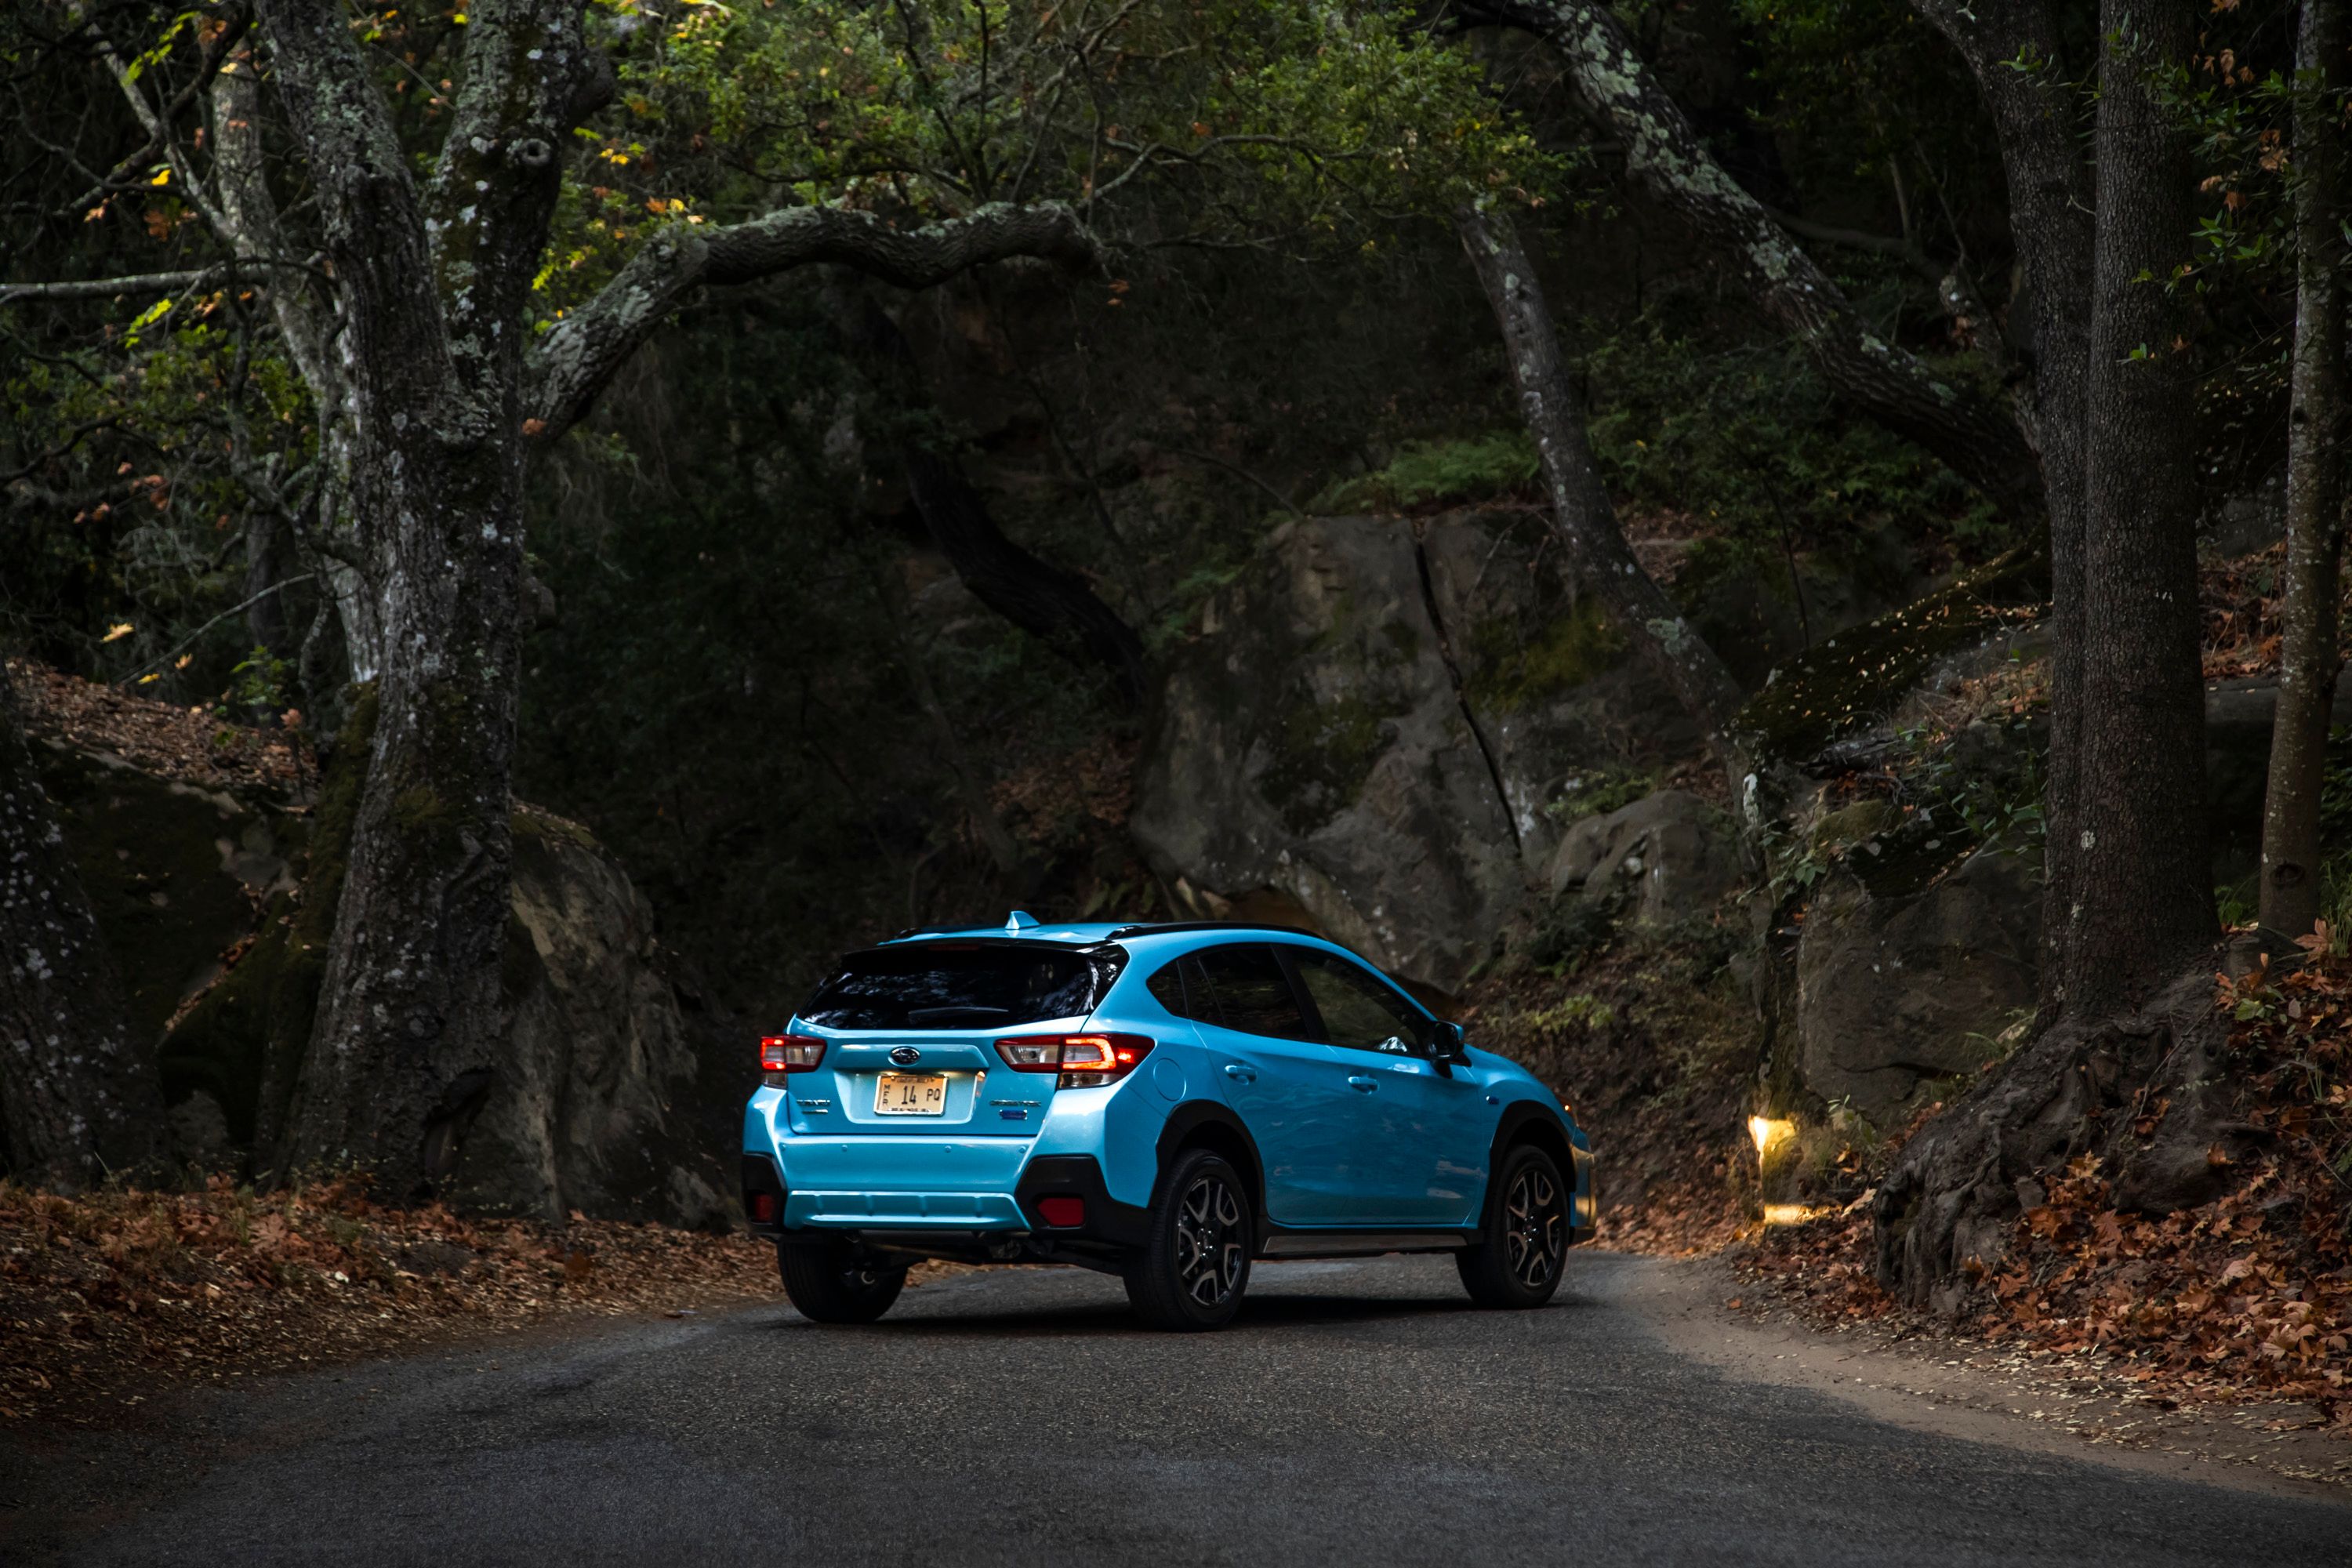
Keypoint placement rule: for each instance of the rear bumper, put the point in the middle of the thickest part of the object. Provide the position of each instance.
(979, 1227)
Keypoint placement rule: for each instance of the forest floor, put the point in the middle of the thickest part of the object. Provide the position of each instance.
(105, 1297)
(2240, 1309)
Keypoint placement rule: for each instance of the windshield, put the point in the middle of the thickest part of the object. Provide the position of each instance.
(963, 985)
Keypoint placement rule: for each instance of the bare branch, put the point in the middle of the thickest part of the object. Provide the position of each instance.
(139, 283)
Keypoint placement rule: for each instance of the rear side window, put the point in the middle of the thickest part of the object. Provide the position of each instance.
(1360, 1012)
(1250, 990)
(962, 985)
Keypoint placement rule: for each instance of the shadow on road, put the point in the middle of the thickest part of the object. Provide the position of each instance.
(1112, 1319)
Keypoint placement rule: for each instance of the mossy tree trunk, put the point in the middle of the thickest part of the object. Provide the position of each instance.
(2314, 492)
(431, 279)
(434, 404)
(81, 1099)
(2134, 1009)
(1583, 519)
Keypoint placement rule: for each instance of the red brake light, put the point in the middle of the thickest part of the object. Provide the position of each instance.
(1083, 1061)
(782, 1054)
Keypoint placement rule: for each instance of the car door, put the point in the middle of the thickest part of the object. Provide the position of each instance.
(1427, 1129)
(1290, 1089)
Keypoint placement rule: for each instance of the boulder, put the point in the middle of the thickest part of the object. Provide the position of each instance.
(1895, 991)
(1672, 855)
(590, 1109)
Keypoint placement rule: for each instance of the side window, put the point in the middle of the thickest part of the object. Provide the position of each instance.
(1167, 988)
(1251, 993)
(1359, 1011)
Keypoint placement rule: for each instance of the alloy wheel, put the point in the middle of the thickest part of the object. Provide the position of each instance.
(1534, 1228)
(1209, 1242)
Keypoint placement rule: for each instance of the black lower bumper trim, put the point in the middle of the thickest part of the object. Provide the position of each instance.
(761, 1178)
(1108, 1222)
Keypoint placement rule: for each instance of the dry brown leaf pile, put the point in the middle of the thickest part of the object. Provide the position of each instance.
(2247, 1297)
(101, 1295)
(190, 746)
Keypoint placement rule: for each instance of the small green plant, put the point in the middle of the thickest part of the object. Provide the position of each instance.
(1424, 473)
(260, 683)
(1596, 792)
(1582, 1011)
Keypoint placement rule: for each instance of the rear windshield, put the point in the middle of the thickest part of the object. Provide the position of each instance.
(963, 985)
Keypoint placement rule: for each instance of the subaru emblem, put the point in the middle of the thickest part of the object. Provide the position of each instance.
(906, 1056)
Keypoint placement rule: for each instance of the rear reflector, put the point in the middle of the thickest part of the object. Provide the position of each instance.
(1062, 1212)
(1083, 1061)
(764, 1208)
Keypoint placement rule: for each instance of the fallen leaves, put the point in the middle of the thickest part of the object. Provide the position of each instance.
(178, 743)
(117, 1287)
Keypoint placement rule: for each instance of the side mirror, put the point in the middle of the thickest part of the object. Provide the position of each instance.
(1449, 1047)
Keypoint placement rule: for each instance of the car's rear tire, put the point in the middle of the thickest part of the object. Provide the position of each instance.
(1191, 1271)
(827, 1284)
(1523, 1245)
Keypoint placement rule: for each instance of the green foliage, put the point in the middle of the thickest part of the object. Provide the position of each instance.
(1569, 930)
(1438, 473)
(1259, 123)
(1744, 440)
(261, 683)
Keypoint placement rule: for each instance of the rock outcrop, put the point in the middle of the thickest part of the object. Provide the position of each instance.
(1374, 724)
(1897, 992)
(1670, 857)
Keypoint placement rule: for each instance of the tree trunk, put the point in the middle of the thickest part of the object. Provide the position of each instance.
(2134, 1022)
(2034, 110)
(1582, 517)
(80, 1097)
(1664, 157)
(2143, 903)
(2314, 498)
(410, 1033)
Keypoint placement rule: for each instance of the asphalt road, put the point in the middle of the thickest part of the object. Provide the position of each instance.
(1358, 1412)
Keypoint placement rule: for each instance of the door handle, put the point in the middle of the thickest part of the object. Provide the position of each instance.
(1361, 1084)
(1236, 1071)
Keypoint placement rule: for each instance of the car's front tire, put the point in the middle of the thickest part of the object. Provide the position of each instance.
(1517, 1260)
(1195, 1263)
(827, 1284)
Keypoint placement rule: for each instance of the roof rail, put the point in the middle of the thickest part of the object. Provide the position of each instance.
(1164, 928)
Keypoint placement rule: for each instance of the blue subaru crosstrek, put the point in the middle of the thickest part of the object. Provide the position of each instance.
(1163, 1102)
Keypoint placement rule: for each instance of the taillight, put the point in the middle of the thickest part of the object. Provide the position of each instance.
(1083, 1061)
(782, 1054)
(764, 1208)
(1063, 1214)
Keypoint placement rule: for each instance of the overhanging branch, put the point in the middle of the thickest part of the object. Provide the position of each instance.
(574, 361)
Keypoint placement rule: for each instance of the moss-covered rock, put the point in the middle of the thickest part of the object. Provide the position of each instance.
(176, 874)
(1853, 681)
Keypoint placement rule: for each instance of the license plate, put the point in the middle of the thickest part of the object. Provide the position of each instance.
(911, 1094)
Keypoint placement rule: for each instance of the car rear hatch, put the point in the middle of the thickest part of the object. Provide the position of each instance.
(911, 1031)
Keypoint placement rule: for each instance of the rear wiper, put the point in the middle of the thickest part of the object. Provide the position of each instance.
(965, 1010)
